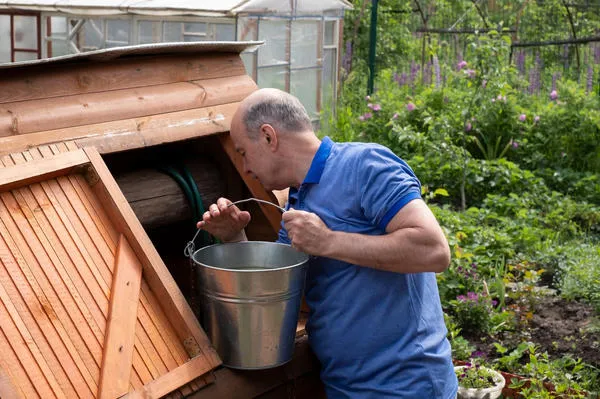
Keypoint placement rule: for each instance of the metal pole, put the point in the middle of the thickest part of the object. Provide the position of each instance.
(372, 46)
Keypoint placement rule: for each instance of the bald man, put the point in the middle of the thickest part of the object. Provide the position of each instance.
(376, 322)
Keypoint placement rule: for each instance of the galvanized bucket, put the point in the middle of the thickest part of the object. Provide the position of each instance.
(250, 301)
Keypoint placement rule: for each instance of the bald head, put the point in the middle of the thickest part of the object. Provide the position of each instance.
(274, 107)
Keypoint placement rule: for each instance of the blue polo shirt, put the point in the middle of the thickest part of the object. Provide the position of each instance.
(377, 334)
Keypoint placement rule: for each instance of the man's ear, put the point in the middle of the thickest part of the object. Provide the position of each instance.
(270, 136)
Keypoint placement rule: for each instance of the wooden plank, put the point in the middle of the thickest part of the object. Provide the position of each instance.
(64, 80)
(14, 371)
(155, 271)
(258, 191)
(132, 133)
(16, 328)
(31, 172)
(46, 299)
(117, 357)
(87, 109)
(7, 388)
(173, 380)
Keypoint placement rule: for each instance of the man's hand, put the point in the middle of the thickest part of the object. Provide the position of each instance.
(224, 222)
(307, 232)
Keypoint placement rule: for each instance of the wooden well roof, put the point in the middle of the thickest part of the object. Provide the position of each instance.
(88, 308)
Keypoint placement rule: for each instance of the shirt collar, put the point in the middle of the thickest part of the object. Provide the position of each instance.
(318, 163)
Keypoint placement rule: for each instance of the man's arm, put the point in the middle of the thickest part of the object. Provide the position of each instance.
(413, 243)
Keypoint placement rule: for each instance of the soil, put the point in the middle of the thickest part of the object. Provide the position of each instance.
(560, 327)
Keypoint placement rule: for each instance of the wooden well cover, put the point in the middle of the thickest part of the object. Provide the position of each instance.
(87, 307)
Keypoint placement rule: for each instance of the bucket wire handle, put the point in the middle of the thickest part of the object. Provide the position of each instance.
(190, 247)
(257, 200)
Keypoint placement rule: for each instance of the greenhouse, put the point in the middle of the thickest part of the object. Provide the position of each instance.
(300, 54)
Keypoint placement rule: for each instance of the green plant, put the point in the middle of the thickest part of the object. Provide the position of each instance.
(474, 375)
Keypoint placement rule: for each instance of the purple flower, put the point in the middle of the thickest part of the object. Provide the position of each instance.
(515, 145)
(461, 65)
(470, 73)
(461, 298)
(536, 119)
(374, 107)
(553, 95)
(410, 107)
(522, 117)
(477, 354)
(494, 302)
(472, 296)
(468, 127)
(367, 115)
(395, 116)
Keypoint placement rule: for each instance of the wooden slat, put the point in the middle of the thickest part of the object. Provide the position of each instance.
(87, 109)
(132, 133)
(36, 310)
(31, 172)
(64, 80)
(7, 388)
(47, 292)
(14, 371)
(155, 271)
(117, 357)
(257, 189)
(173, 380)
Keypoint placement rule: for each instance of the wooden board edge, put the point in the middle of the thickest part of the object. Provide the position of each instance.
(117, 354)
(174, 379)
(12, 177)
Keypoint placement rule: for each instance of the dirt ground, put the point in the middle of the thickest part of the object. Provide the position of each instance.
(558, 327)
(562, 327)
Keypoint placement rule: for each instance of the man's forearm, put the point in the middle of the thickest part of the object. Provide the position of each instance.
(408, 250)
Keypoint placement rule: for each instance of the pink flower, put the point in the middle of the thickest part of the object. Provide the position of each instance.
(374, 107)
(461, 65)
(470, 73)
(410, 107)
(468, 127)
(493, 100)
(361, 118)
(395, 116)
(368, 98)
(367, 115)
(515, 144)
(553, 95)
(536, 119)
(522, 117)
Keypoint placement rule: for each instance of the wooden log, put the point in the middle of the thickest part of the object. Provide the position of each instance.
(35, 82)
(91, 108)
(158, 200)
(132, 133)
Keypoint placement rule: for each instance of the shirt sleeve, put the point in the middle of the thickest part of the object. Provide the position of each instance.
(386, 184)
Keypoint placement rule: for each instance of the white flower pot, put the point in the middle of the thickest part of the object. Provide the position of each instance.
(482, 393)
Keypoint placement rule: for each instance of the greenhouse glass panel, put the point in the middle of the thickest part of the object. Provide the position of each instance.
(303, 84)
(25, 32)
(117, 32)
(58, 26)
(329, 33)
(328, 81)
(172, 31)
(60, 47)
(304, 43)
(25, 56)
(272, 77)
(5, 38)
(225, 32)
(93, 34)
(148, 32)
(274, 33)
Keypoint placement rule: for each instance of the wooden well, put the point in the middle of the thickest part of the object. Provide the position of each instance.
(142, 111)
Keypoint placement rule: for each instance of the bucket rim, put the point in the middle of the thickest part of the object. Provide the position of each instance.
(307, 257)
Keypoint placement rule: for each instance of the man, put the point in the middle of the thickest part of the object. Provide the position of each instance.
(376, 322)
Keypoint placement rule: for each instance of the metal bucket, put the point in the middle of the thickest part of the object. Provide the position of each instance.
(250, 301)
